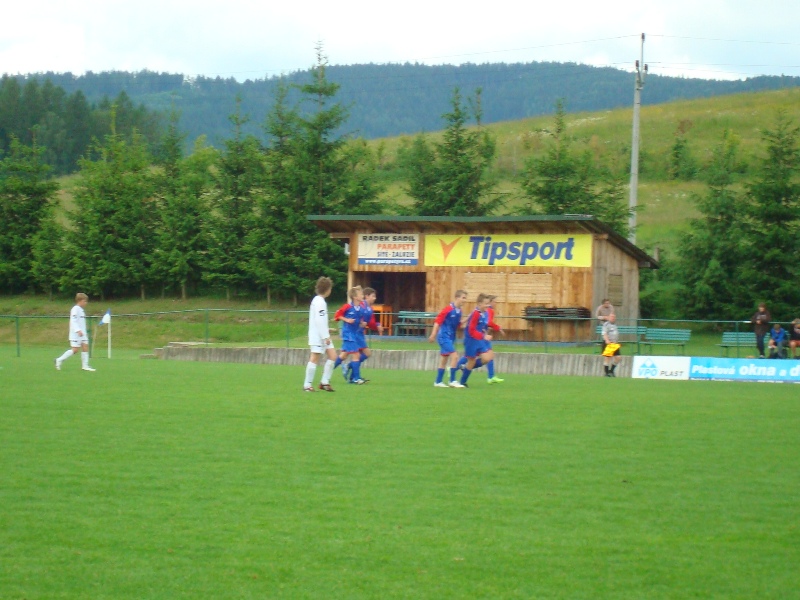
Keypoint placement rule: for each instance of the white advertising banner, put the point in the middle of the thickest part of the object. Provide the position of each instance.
(661, 367)
(388, 249)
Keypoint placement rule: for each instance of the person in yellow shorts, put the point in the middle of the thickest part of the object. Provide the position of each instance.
(611, 352)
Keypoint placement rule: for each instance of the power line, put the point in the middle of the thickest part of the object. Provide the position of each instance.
(702, 39)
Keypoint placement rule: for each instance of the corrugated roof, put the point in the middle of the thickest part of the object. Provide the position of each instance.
(346, 224)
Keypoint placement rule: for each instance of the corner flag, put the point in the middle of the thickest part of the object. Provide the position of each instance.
(106, 320)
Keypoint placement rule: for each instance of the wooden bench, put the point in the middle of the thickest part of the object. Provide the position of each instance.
(667, 337)
(413, 322)
(736, 339)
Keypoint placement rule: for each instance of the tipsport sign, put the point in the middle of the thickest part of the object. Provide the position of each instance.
(508, 250)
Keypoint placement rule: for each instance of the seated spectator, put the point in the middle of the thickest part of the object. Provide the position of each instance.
(794, 337)
(777, 341)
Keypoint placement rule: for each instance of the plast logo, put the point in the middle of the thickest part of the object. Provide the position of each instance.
(648, 369)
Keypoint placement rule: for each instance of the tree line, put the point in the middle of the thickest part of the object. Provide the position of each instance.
(233, 220)
(64, 124)
(397, 99)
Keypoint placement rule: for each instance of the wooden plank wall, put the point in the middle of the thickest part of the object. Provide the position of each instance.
(569, 287)
(516, 289)
(616, 278)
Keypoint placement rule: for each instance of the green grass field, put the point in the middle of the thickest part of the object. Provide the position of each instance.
(155, 479)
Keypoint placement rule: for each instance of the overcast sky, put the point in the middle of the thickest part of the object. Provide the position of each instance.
(250, 39)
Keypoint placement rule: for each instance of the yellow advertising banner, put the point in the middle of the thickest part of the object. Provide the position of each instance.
(554, 250)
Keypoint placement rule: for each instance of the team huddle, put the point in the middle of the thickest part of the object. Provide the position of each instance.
(358, 315)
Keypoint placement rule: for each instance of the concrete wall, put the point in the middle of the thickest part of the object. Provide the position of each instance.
(410, 360)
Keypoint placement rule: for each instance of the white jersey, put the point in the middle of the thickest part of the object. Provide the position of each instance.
(77, 322)
(318, 322)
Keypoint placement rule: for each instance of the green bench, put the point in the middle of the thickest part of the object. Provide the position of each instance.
(736, 339)
(631, 333)
(413, 322)
(627, 333)
(667, 337)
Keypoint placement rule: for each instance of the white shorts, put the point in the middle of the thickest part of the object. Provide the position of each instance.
(320, 349)
(78, 342)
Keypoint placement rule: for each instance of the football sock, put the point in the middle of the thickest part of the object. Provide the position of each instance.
(490, 368)
(439, 375)
(327, 371)
(356, 368)
(364, 357)
(311, 368)
(453, 374)
(461, 362)
(65, 356)
(465, 375)
(337, 363)
(478, 363)
(85, 359)
(605, 368)
(613, 367)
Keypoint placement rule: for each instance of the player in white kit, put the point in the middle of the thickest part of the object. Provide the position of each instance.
(78, 338)
(319, 338)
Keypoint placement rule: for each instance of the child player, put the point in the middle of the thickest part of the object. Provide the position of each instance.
(78, 339)
(367, 322)
(351, 314)
(494, 327)
(319, 337)
(476, 340)
(445, 326)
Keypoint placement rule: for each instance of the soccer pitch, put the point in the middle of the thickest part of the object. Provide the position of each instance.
(161, 479)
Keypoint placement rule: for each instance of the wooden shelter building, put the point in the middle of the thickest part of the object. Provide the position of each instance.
(555, 262)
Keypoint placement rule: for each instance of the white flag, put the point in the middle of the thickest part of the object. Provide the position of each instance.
(106, 318)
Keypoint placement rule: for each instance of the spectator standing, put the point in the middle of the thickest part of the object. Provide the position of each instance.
(794, 337)
(760, 321)
(603, 312)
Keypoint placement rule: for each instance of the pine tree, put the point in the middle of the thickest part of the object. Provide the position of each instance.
(562, 183)
(239, 178)
(181, 197)
(26, 197)
(311, 169)
(113, 222)
(716, 246)
(452, 177)
(48, 257)
(774, 221)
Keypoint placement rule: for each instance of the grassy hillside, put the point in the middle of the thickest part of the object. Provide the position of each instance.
(665, 205)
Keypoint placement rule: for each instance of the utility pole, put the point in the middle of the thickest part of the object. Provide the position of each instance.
(641, 72)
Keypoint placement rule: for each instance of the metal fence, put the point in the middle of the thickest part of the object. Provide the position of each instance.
(288, 328)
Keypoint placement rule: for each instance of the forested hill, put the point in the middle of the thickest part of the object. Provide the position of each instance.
(393, 99)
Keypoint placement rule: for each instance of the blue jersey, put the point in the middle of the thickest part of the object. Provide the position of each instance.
(475, 343)
(368, 317)
(350, 331)
(449, 320)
